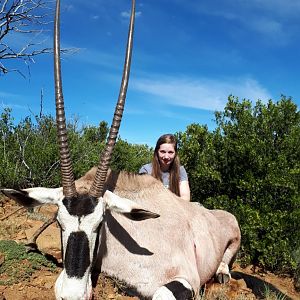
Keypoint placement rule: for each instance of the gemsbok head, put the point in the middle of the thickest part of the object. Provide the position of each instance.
(167, 256)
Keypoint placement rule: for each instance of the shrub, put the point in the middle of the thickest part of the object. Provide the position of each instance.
(18, 265)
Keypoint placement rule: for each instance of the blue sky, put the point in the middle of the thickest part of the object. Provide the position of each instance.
(188, 56)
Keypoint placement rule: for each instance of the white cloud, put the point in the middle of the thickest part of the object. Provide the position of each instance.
(98, 58)
(240, 8)
(12, 105)
(272, 19)
(68, 7)
(7, 95)
(126, 14)
(286, 8)
(19, 40)
(10, 100)
(208, 94)
(267, 26)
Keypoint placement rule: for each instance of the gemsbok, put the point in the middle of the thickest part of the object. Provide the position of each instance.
(130, 226)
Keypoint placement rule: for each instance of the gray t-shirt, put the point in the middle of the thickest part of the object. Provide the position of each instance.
(147, 169)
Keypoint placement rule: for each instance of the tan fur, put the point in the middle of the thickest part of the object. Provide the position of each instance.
(187, 241)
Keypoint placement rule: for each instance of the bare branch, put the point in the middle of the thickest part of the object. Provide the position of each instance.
(12, 213)
(41, 103)
(28, 17)
(22, 146)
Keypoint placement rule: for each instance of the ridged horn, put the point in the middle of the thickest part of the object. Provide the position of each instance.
(68, 182)
(96, 189)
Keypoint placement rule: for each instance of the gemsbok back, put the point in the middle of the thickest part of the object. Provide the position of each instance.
(169, 254)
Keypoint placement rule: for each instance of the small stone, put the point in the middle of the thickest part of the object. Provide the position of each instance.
(48, 285)
(21, 235)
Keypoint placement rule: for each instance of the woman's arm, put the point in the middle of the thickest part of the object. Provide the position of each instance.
(145, 169)
(185, 192)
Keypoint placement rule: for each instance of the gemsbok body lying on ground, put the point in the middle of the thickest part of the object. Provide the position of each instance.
(175, 248)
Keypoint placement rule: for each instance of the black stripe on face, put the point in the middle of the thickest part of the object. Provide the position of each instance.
(77, 257)
(179, 291)
(82, 205)
(140, 214)
(21, 197)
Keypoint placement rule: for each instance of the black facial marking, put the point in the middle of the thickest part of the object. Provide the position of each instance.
(95, 253)
(21, 197)
(179, 291)
(77, 257)
(81, 205)
(122, 235)
(140, 214)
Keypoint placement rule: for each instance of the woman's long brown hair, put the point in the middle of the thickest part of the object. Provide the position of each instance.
(174, 167)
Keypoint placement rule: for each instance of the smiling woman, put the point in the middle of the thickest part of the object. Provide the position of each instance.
(166, 167)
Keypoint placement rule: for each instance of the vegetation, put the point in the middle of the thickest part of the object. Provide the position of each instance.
(24, 19)
(249, 165)
(29, 151)
(17, 265)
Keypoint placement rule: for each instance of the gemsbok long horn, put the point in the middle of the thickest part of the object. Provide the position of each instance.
(98, 184)
(67, 175)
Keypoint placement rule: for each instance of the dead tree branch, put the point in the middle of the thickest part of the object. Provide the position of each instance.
(17, 19)
(12, 213)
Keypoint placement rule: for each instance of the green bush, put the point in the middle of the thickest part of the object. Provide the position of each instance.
(29, 151)
(250, 166)
(18, 265)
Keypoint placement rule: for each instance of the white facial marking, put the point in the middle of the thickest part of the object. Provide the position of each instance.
(73, 288)
(78, 288)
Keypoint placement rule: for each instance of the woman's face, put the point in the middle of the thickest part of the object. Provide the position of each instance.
(166, 154)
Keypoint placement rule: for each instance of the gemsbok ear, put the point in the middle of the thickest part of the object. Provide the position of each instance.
(126, 207)
(34, 196)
